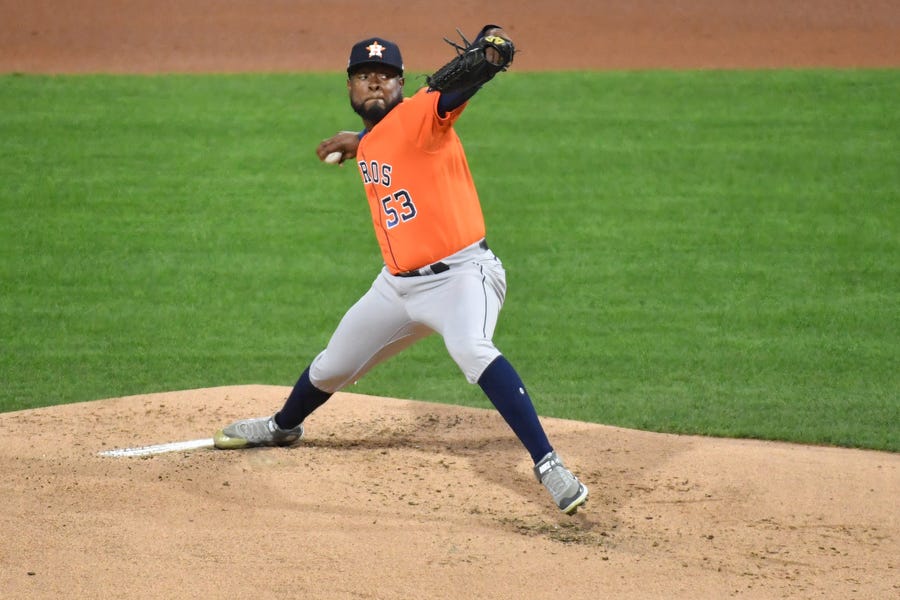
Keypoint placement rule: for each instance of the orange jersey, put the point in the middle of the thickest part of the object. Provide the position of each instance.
(420, 191)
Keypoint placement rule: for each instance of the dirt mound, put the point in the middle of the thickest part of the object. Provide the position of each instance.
(400, 499)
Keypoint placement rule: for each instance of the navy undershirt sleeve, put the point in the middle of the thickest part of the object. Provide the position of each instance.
(452, 100)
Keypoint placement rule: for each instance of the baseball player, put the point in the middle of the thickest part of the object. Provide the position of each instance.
(439, 274)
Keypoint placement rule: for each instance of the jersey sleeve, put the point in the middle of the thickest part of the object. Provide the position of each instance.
(422, 122)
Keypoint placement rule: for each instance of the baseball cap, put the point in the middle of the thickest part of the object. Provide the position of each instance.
(375, 50)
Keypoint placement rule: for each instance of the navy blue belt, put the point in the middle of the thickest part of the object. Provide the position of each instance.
(435, 268)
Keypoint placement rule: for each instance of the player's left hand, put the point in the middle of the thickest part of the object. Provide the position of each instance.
(345, 142)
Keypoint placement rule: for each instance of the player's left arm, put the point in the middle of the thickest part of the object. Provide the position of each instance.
(476, 64)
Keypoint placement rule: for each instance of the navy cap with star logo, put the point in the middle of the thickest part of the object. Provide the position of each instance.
(375, 51)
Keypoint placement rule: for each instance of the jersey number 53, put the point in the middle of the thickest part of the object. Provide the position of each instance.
(398, 208)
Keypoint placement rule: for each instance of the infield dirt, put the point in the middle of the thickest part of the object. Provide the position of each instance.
(391, 498)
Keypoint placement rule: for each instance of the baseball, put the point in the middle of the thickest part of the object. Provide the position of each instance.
(334, 158)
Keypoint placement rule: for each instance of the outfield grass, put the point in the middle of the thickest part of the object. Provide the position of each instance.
(705, 252)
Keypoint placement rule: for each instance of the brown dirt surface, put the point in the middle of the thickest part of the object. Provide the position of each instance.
(390, 498)
(149, 36)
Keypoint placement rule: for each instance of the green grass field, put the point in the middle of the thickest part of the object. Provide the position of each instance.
(705, 252)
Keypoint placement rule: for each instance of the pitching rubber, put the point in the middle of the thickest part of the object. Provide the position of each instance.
(158, 448)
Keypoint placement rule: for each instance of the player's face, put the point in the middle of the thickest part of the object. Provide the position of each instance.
(374, 91)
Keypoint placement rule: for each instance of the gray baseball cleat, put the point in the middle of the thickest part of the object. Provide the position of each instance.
(262, 431)
(567, 491)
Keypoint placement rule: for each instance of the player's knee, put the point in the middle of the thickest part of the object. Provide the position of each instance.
(325, 378)
(472, 356)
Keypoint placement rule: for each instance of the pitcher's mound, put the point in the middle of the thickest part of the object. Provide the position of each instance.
(394, 499)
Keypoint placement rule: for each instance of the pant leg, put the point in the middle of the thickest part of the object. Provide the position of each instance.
(376, 328)
(464, 309)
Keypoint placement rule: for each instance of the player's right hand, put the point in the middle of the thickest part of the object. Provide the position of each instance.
(345, 142)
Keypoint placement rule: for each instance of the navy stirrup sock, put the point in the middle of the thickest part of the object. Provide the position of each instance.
(304, 399)
(506, 391)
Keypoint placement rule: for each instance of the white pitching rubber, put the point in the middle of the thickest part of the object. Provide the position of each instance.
(159, 448)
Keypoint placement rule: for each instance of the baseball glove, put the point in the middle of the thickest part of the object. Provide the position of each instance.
(472, 67)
